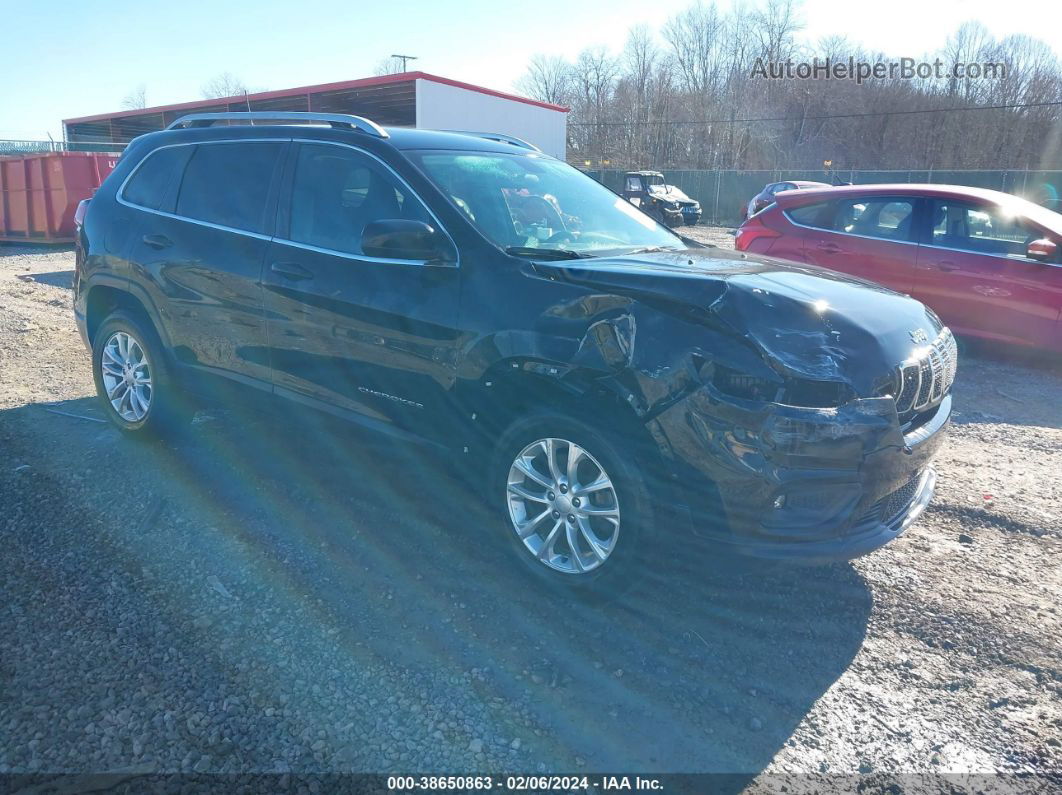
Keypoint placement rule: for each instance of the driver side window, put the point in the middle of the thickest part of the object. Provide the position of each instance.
(338, 191)
(979, 227)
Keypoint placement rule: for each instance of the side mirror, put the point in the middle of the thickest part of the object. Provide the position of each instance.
(397, 238)
(1042, 249)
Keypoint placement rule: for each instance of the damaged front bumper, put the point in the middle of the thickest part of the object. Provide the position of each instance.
(789, 482)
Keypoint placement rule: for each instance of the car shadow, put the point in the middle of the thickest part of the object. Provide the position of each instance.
(64, 279)
(358, 554)
(1004, 384)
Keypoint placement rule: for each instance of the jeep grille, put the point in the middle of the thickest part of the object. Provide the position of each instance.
(925, 378)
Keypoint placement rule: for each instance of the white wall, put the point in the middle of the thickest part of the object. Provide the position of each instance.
(445, 107)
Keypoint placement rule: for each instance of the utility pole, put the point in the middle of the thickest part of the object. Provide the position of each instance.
(404, 59)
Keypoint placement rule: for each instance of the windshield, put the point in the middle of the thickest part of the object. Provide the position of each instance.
(527, 201)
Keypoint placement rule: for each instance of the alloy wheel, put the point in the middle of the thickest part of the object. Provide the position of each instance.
(563, 506)
(126, 374)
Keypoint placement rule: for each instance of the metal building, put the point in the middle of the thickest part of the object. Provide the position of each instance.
(409, 99)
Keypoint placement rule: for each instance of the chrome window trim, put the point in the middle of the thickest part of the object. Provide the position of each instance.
(429, 263)
(120, 198)
(120, 194)
(1010, 257)
(363, 257)
(785, 212)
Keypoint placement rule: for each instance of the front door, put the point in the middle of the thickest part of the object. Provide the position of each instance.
(353, 333)
(973, 272)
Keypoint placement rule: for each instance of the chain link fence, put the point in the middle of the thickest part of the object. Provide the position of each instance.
(724, 194)
(15, 147)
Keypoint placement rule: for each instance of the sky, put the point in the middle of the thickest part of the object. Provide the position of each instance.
(64, 58)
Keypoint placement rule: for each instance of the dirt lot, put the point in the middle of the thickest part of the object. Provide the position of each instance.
(258, 598)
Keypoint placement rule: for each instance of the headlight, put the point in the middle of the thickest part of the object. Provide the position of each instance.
(795, 392)
(747, 387)
(817, 394)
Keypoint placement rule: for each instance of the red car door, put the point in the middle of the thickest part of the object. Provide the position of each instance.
(870, 237)
(973, 271)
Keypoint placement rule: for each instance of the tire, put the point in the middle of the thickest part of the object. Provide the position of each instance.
(617, 560)
(150, 404)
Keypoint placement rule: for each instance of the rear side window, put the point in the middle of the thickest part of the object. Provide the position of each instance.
(884, 218)
(810, 215)
(228, 184)
(151, 183)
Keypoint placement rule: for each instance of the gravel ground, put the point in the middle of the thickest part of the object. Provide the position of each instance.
(255, 597)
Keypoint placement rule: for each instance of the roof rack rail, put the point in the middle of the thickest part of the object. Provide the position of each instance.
(500, 138)
(339, 120)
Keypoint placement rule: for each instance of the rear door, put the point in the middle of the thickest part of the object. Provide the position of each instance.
(795, 225)
(201, 252)
(973, 272)
(868, 236)
(375, 337)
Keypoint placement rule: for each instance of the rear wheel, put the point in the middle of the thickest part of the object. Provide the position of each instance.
(133, 379)
(576, 507)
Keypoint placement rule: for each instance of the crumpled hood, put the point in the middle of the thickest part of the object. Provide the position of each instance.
(807, 321)
(670, 192)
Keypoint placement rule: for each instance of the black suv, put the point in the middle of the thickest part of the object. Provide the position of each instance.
(620, 386)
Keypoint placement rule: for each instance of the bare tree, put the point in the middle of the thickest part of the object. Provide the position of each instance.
(548, 79)
(388, 66)
(964, 46)
(776, 25)
(695, 102)
(225, 84)
(695, 37)
(136, 99)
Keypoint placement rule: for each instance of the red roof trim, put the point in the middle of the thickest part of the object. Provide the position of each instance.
(889, 189)
(489, 91)
(402, 77)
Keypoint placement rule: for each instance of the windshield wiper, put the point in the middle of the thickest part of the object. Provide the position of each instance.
(545, 253)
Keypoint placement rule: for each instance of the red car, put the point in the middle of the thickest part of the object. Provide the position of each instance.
(990, 264)
(766, 196)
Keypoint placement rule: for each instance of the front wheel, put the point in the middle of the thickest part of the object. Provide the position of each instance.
(576, 506)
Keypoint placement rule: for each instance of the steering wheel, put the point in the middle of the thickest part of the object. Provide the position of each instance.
(549, 214)
(559, 237)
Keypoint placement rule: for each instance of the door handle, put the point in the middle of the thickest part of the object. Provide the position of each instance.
(947, 265)
(157, 241)
(829, 248)
(291, 271)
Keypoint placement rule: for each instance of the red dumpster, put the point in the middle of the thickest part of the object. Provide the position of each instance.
(39, 193)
